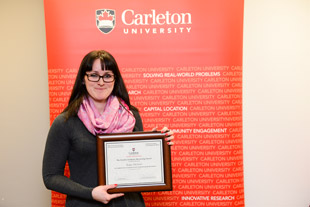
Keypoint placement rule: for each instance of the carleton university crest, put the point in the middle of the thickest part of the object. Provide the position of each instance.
(105, 20)
(133, 151)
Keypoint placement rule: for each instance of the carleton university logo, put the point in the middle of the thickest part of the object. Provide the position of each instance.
(105, 20)
(133, 152)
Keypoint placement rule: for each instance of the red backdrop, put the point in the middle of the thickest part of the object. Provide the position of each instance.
(182, 64)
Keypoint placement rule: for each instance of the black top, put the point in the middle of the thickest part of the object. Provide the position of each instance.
(69, 140)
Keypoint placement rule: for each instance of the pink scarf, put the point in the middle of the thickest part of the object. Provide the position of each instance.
(114, 119)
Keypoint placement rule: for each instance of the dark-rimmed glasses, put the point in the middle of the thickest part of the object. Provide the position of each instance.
(107, 78)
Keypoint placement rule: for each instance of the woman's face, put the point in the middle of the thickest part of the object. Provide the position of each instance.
(99, 91)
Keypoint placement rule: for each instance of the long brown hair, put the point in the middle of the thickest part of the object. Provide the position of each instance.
(79, 89)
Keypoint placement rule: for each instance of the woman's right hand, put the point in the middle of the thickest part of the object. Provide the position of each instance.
(100, 193)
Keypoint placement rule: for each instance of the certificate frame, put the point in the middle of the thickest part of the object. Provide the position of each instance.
(104, 140)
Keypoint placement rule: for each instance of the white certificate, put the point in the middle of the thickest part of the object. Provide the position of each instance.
(134, 162)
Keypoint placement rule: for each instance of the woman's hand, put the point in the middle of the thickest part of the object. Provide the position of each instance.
(100, 193)
(169, 135)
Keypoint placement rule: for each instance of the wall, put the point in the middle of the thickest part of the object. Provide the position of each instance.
(24, 115)
(276, 103)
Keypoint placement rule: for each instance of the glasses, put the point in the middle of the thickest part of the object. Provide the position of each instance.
(107, 78)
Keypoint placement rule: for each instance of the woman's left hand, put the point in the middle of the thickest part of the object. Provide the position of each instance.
(169, 135)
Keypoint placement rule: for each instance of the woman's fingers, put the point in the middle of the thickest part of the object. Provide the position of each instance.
(100, 193)
(169, 135)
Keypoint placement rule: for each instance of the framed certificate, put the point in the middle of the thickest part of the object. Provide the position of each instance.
(135, 161)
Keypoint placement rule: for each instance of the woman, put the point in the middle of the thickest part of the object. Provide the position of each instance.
(99, 103)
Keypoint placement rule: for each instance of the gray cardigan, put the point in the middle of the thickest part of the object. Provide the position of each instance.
(71, 141)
